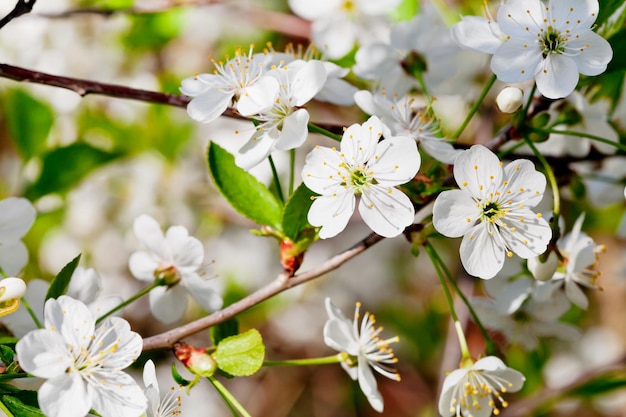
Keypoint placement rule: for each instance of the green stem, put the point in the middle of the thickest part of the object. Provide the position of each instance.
(551, 178)
(420, 80)
(141, 293)
(475, 107)
(322, 131)
(31, 313)
(491, 347)
(279, 191)
(581, 135)
(6, 410)
(431, 254)
(232, 402)
(302, 362)
(14, 376)
(524, 113)
(292, 170)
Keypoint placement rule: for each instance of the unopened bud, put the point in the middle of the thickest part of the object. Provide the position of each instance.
(510, 99)
(196, 360)
(11, 290)
(543, 271)
(290, 256)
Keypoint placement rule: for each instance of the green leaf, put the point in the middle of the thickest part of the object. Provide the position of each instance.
(224, 329)
(6, 354)
(295, 213)
(607, 8)
(599, 385)
(178, 378)
(244, 192)
(20, 409)
(64, 167)
(29, 122)
(8, 340)
(618, 43)
(241, 355)
(59, 284)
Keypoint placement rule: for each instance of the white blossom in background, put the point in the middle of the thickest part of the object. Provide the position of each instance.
(404, 117)
(421, 45)
(239, 81)
(167, 406)
(175, 258)
(477, 390)
(367, 167)
(11, 291)
(336, 90)
(362, 350)
(16, 217)
(82, 362)
(340, 24)
(577, 266)
(492, 211)
(551, 42)
(523, 310)
(284, 125)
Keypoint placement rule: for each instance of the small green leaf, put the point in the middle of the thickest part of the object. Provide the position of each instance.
(599, 385)
(224, 329)
(178, 378)
(6, 354)
(29, 121)
(244, 192)
(241, 355)
(618, 43)
(607, 8)
(65, 167)
(295, 213)
(59, 284)
(19, 408)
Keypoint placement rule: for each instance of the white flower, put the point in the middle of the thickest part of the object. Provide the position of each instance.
(284, 125)
(492, 211)
(477, 390)
(339, 24)
(169, 405)
(551, 42)
(11, 290)
(510, 99)
(362, 348)
(82, 362)
(480, 33)
(16, 217)
(403, 117)
(577, 266)
(174, 257)
(367, 167)
(240, 78)
(421, 45)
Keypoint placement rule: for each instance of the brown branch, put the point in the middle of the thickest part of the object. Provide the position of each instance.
(281, 283)
(22, 7)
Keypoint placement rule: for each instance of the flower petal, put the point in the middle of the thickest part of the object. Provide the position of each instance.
(187, 252)
(294, 131)
(307, 82)
(204, 292)
(54, 360)
(395, 162)
(455, 213)
(209, 105)
(258, 97)
(595, 53)
(142, 266)
(557, 76)
(358, 143)
(168, 304)
(64, 396)
(149, 232)
(477, 33)
(255, 150)
(332, 213)
(386, 210)
(482, 255)
(478, 171)
(322, 173)
(17, 216)
(516, 60)
(368, 385)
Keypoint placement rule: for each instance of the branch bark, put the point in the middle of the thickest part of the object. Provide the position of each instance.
(22, 7)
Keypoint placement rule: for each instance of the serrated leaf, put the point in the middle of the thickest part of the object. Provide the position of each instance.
(64, 167)
(29, 122)
(18, 408)
(241, 355)
(224, 330)
(178, 378)
(61, 282)
(244, 192)
(295, 213)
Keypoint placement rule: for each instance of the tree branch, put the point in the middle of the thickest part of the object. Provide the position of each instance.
(281, 283)
(22, 7)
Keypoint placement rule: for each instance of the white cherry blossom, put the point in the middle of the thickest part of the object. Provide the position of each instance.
(283, 126)
(367, 167)
(478, 390)
(362, 349)
(174, 258)
(492, 211)
(240, 79)
(82, 362)
(16, 217)
(167, 406)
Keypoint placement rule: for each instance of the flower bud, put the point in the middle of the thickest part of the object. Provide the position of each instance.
(510, 99)
(11, 290)
(196, 360)
(543, 271)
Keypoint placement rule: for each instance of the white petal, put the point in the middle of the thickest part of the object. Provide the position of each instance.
(583, 12)
(209, 105)
(337, 91)
(313, 11)
(596, 55)
(64, 396)
(54, 360)
(120, 396)
(193, 86)
(374, 61)
(149, 232)
(387, 211)
(365, 100)
(258, 97)
(338, 336)
(477, 33)
(13, 257)
(334, 36)
(525, 183)
(358, 143)
(529, 238)
(117, 345)
(576, 294)
(395, 162)
(142, 266)
(478, 171)
(322, 173)
(308, 81)
(294, 131)
(16, 217)
(368, 385)
(558, 76)
(332, 213)
(84, 285)
(514, 16)
(168, 304)
(187, 252)
(254, 151)
(512, 296)
(482, 255)
(440, 150)
(516, 61)
(445, 399)
(203, 291)
(378, 7)
(72, 318)
(454, 213)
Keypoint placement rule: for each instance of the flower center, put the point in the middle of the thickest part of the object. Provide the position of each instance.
(348, 6)
(552, 42)
(168, 273)
(492, 211)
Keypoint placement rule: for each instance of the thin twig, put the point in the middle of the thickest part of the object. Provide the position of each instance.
(22, 7)
(281, 283)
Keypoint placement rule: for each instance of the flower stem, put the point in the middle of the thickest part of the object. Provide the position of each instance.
(434, 259)
(292, 169)
(279, 191)
(475, 107)
(551, 179)
(303, 362)
(141, 293)
(232, 402)
(581, 135)
(31, 313)
(316, 129)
